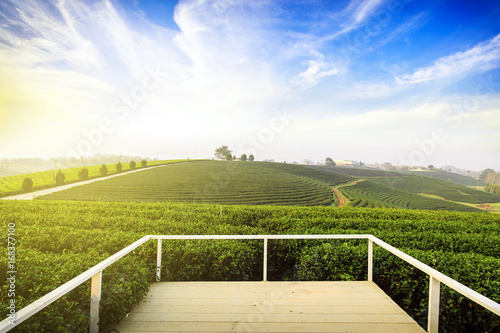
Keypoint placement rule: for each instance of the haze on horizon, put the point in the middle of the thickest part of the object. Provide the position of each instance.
(406, 82)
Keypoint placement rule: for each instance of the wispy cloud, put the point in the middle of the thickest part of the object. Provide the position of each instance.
(353, 16)
(317, 68)
(482, 57)
(229, 65)
(43, 33)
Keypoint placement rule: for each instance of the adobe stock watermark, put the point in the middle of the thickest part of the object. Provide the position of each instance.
(485, 88)
(252, 145)
(372, 29)
(121, 108)
(256, 143)
(11, 273)
(263, 310)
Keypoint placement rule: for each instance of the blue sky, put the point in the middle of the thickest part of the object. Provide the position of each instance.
(406, 82)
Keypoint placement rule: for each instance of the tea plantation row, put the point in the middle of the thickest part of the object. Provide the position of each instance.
(230, 183)
(370, 194)
(260, 183)
(58, 240)
(12, 185)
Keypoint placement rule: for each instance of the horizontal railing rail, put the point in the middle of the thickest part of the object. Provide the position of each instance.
(95, 274)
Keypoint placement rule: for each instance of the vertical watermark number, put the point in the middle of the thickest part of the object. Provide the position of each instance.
(11, 273)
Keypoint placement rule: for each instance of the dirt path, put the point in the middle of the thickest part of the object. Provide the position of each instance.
(33, 195)
(352, 183)
(341, 200)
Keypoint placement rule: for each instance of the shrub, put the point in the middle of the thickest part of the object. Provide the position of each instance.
(27, 184)
(408, 286)
(492, 188)
(229, 157)
(144, 163)
(83, 173)
(103, 170)
(243, 157)
(119, 167)
(60, 177)
(250, 158)
(132, 165)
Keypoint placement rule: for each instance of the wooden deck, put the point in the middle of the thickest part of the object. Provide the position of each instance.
(267, 307)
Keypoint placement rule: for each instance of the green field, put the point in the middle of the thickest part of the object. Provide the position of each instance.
(448, 176)
(57, 240)
(441, 188)
(261, 183)
(368, 173)
(356, 172)
(370, 194)
(44, 179)
(221, 182)
(405, 190)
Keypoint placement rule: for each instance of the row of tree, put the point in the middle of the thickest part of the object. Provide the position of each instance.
(83, 174)
(224, 153)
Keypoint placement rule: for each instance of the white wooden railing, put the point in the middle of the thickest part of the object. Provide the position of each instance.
(95, 274)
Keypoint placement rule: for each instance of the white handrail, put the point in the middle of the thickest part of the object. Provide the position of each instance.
(249, 237)
(96, 274)
(455, 285)
(55, 294)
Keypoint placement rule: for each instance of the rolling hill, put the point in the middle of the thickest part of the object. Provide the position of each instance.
(263, 183)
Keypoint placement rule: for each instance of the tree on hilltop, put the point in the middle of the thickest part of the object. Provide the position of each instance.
(251, 158)
(27, 184)
(229, 157)
(221, 152)
(83, 173)
(329, 161)
(103, 170)
(483, 175)
(243, 157)
(60, 177)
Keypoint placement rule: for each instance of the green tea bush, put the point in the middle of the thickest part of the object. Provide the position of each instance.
(209, 260)
(407, 285)
(59, 240)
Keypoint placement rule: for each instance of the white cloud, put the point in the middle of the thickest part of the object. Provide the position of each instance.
(354, 15)
(314, 73)
(43, 37)
(230, 65)
(365, 9)
(482, 57)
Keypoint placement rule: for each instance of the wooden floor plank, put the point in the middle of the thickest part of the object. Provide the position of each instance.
(267, 307)
(278, 308)
(274, 318)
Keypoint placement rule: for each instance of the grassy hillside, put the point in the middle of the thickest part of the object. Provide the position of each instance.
(441, 188)
(261, 183)
(448, 176)
(59, 240)
(438, 174)
(371, 194)
(221, 182)
(13, 184)
(355, 172)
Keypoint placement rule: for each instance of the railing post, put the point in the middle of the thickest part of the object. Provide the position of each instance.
(434, 294)
(95, 298)
(370, 260)
(158, 262)
(264, 278)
